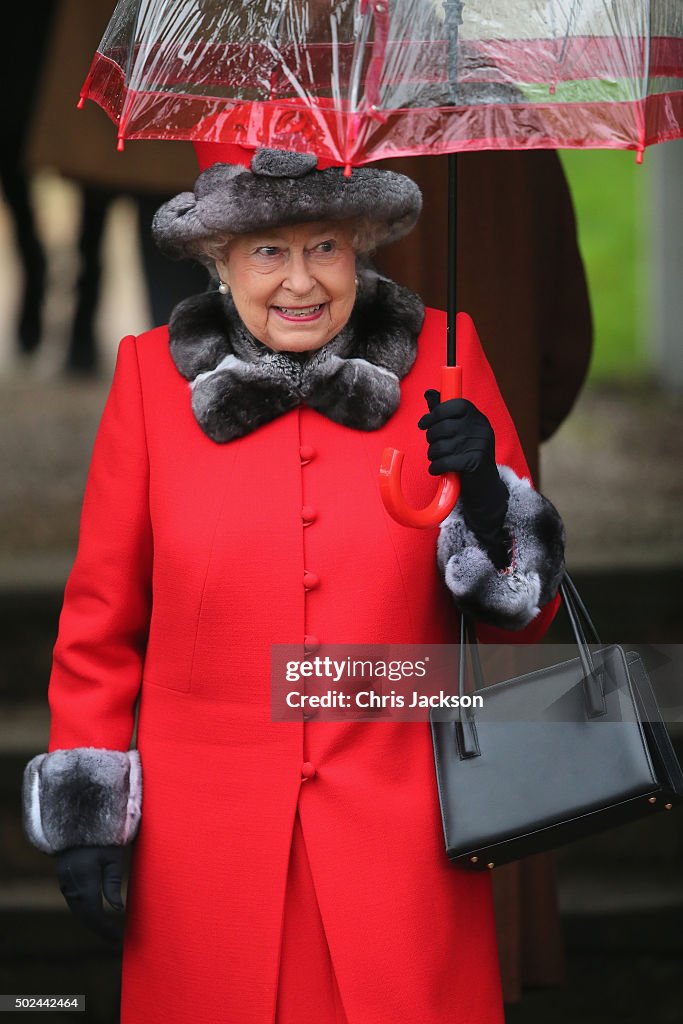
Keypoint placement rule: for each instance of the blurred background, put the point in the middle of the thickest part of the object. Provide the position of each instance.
(79, 273)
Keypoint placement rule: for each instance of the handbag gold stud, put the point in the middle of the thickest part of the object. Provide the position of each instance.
(490, 864)
(652, 799)
(667, 807)
(474, 860)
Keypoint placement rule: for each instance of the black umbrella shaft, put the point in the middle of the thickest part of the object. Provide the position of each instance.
(452, 257)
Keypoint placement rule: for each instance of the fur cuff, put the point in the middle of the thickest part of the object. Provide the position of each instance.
(512, 597)
(82, 797)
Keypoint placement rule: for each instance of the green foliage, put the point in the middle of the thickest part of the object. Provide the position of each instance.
(609, 192)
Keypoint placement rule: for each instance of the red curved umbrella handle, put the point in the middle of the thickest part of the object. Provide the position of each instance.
(449, 485)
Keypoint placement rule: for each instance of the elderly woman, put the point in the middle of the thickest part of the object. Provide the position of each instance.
(288, 872)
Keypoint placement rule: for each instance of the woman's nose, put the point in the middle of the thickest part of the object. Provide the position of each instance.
(298, 277)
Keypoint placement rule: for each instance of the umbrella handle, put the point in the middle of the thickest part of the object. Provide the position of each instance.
(446, 496)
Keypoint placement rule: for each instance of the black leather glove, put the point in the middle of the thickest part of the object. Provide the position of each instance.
(85, 872)
(461, 440)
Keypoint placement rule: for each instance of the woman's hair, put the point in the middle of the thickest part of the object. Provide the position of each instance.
(365, 235)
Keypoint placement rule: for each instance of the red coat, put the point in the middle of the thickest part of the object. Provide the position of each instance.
(205, 545)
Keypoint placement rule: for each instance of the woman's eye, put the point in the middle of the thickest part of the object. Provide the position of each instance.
(268, 250)
(327, 246)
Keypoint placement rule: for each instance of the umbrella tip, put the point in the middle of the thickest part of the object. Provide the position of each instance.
(120, 144)
(81, 103)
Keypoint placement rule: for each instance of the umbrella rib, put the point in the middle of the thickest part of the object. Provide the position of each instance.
(570, 25)
(358, 53)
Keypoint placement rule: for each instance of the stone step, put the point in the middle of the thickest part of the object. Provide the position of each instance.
(655, 841)
(630, 606)
(581, 894)
(611, 890)
(40, 894)
(643, 605)
(47, 951)
(24, 728)
(28, 629)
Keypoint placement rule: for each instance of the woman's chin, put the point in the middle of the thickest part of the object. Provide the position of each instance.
(298, 337)
(298, 344)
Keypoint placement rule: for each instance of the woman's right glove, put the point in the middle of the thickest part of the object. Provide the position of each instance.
(85, 873)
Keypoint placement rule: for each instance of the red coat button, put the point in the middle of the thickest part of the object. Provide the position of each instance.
(308, 514)
(308, 770)
(306, 452)
(311, 643)
(311, 580)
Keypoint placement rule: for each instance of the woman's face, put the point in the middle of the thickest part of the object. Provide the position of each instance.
(294, 287)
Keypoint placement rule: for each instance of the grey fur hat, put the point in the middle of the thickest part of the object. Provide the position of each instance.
(283, 188)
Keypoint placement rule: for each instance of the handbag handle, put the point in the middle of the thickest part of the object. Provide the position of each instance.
(465, 728)
(569, 582)
(592, 676)
(592, 679)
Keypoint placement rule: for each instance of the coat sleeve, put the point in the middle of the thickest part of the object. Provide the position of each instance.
(87, 789)
(519, 603)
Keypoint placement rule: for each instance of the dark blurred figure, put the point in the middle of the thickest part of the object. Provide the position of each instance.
(81, 145)
(521, 278)
(20, 67)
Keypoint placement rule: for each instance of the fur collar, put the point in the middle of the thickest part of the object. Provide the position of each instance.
(238, 384)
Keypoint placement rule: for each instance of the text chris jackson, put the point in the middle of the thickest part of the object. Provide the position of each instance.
(370, 699)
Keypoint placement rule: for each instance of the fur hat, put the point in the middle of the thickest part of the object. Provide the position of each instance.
(281, 188)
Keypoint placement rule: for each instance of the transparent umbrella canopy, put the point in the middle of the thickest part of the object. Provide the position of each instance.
(359, 80)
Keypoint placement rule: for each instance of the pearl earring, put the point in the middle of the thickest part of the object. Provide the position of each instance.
(357, 282)
(223, 288)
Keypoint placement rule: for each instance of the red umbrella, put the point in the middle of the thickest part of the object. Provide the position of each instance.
(359, 80)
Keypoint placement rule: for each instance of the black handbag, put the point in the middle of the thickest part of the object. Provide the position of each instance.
(509, 787)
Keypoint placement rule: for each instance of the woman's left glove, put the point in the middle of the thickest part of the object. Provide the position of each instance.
(461, 440)
(501, 549)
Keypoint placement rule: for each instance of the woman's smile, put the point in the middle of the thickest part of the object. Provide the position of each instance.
(300, 314)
